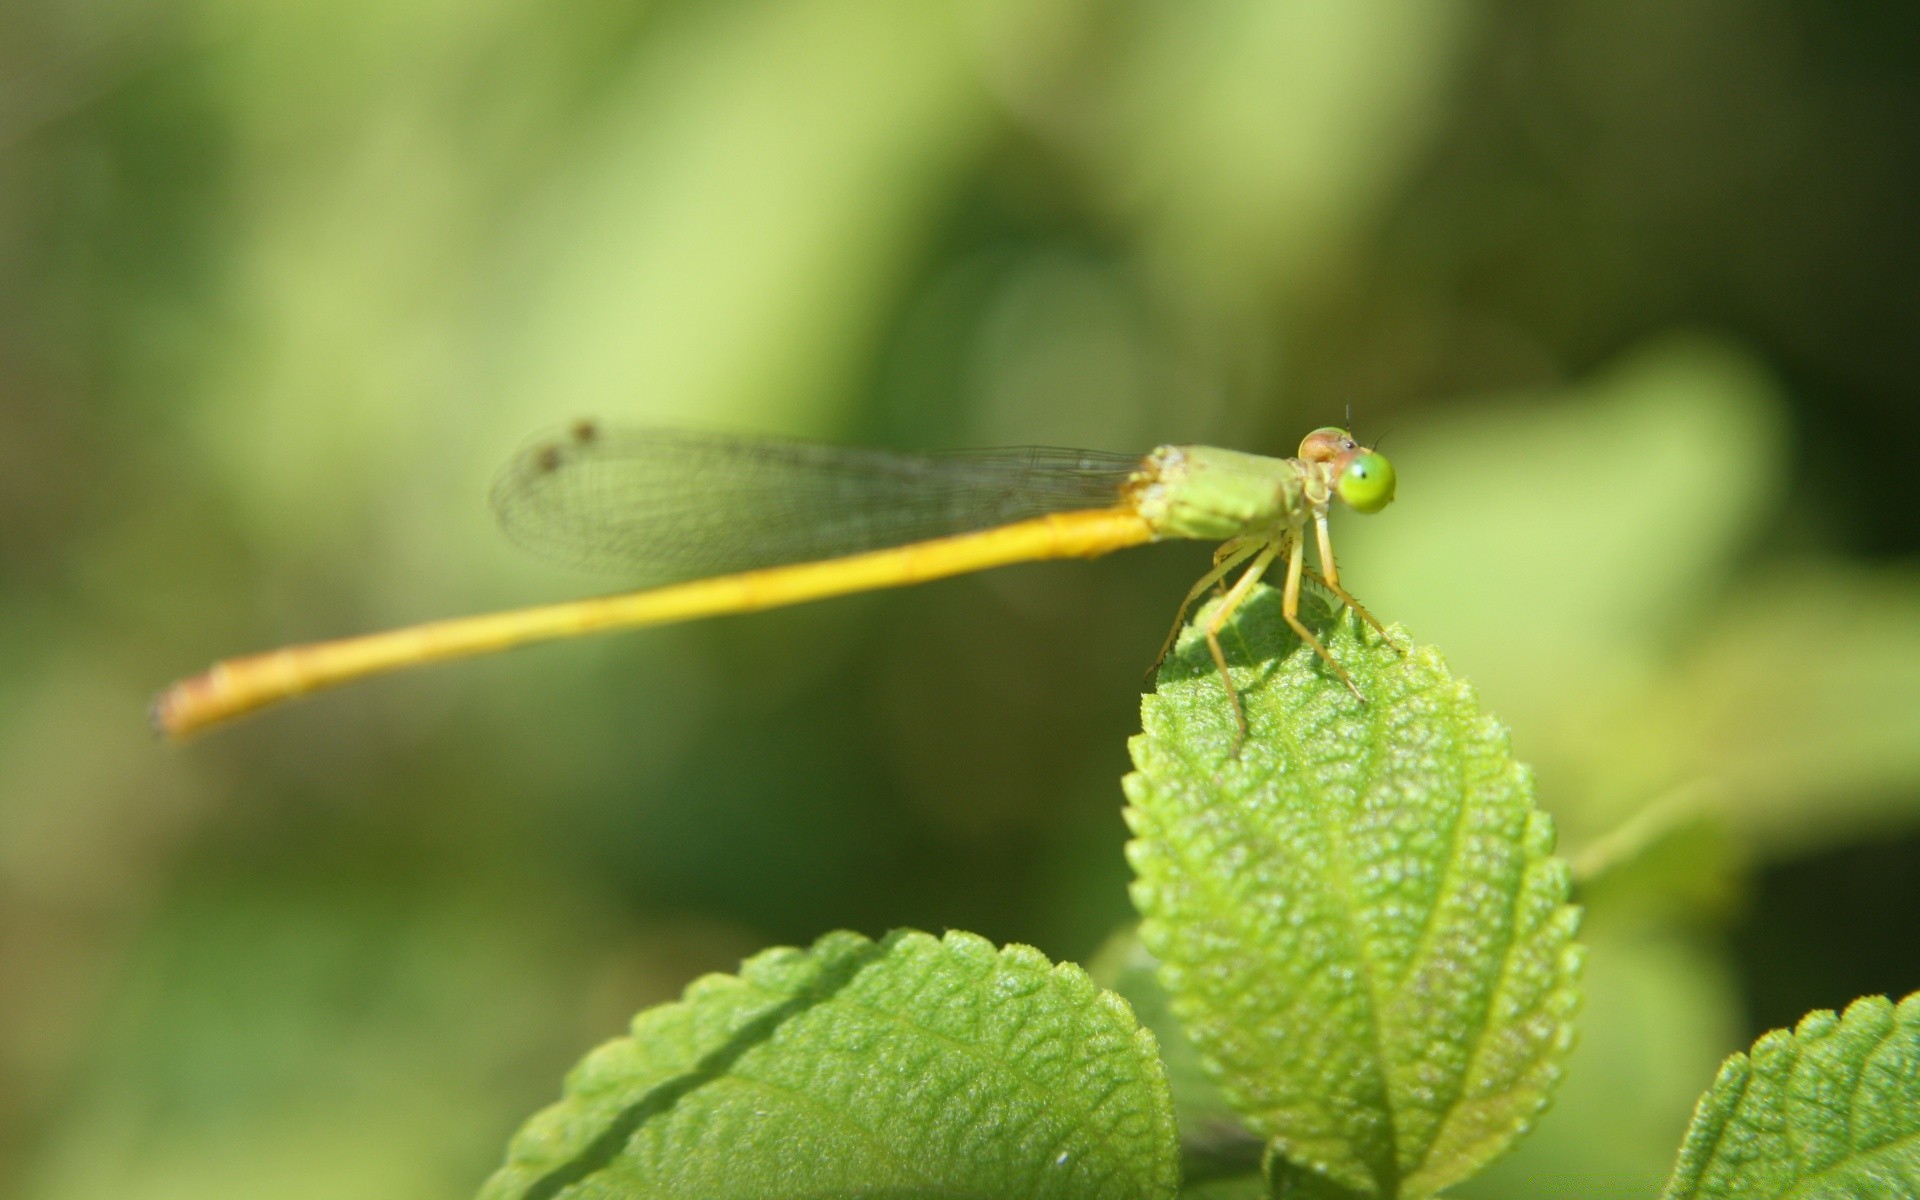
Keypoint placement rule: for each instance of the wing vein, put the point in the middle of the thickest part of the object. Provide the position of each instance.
(678, 503)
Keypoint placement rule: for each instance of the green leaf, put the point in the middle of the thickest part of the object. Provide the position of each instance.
(1852, 765)
(1258, 141)
(1659, 1009)
(1526, 535)
(1359, 917)
(761, 263)
(1500, 552)
(1829, 1110)
(1214, 1143)
(910, 1066)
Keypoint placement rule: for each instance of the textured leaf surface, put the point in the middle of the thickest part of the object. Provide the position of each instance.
(1659, 1010)
(1359, 917)
(1829, 1110)
(911, 1066)
(1214, 1143)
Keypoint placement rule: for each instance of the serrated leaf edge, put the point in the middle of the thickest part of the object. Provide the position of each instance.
(1559, 1002)
(845, 954)
(1713, 1113)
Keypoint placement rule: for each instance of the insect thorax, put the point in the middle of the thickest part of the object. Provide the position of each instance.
(1212, 494)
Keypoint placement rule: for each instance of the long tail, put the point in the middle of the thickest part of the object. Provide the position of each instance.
(238, 686)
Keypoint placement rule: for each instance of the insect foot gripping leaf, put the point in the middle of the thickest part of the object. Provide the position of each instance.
(1829, 1110)
(1358, 916)
(912, 1066)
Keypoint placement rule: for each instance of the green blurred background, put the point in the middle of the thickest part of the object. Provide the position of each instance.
(1631, 289)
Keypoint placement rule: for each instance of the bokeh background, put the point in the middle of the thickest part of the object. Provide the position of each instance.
(1632, 291)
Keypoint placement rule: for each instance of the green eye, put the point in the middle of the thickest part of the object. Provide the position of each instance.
(1367, 483)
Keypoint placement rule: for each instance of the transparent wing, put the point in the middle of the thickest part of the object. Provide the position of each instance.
(681, 503)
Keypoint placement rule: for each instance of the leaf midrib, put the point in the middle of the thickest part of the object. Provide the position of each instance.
(1341, 869)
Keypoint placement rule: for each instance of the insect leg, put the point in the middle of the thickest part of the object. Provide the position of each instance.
(1290, 609)
(1230, 555)
(1235, 596)
(1236, 549)
(1331, 581)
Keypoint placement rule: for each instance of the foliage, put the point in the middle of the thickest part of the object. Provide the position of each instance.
(1358, 923)
(1831, 1109)
(282, 284)
(909, 1066)
(1355, 947)
(1358, 914)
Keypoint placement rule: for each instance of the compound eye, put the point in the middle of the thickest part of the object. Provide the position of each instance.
(1326, 444)
(1367, 483)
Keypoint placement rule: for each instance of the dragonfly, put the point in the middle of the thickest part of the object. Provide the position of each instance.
(752, 523)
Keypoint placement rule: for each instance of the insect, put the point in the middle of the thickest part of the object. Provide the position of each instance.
(761, 522)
